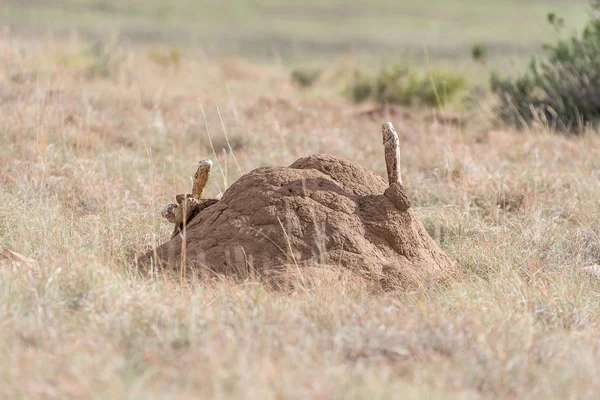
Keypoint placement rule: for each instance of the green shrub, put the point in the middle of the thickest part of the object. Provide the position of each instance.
(165, 57)
(361, 88)
(440, 88)
(305, 77)
(98, 59)
(478, 53)
(563, 90)
(396, 85)
(407, 86)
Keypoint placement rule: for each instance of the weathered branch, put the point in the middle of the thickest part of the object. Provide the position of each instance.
(392, 153)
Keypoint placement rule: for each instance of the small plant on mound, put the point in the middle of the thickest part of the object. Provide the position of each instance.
(406, 86)
(562, 91)
(305, 77)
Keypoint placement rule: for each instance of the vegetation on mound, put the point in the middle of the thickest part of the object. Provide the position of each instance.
(562, 91)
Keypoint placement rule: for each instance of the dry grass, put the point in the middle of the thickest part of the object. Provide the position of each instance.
(87, 161)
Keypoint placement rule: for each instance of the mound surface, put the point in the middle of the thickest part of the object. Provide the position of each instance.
(321, 212)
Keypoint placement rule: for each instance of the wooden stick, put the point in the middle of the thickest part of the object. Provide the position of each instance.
(201, 177)
(392, 153)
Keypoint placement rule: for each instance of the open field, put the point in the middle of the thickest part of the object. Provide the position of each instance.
(300, 30)
(87, 161)
(87, 164)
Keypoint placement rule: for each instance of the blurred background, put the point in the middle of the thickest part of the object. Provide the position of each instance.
(296, 30)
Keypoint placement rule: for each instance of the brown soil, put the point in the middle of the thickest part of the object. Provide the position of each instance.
(321, 213)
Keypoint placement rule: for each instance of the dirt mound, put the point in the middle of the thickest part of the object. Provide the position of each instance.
(321, 212)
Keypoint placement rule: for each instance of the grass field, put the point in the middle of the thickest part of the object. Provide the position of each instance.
(303, 30)
(87, 161)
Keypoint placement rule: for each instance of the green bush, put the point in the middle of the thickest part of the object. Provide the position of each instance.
(407, 86)
(305, 77)
(361, 88)
(98, 59)
(396, 85)
(563, 90)
(478, 53)
(440, 87)
(165, 57)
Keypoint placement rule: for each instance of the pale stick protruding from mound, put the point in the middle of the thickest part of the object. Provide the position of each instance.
(188, 205)
(392, 153)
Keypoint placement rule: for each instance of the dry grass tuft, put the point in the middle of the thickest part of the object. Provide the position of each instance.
(88, 160)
